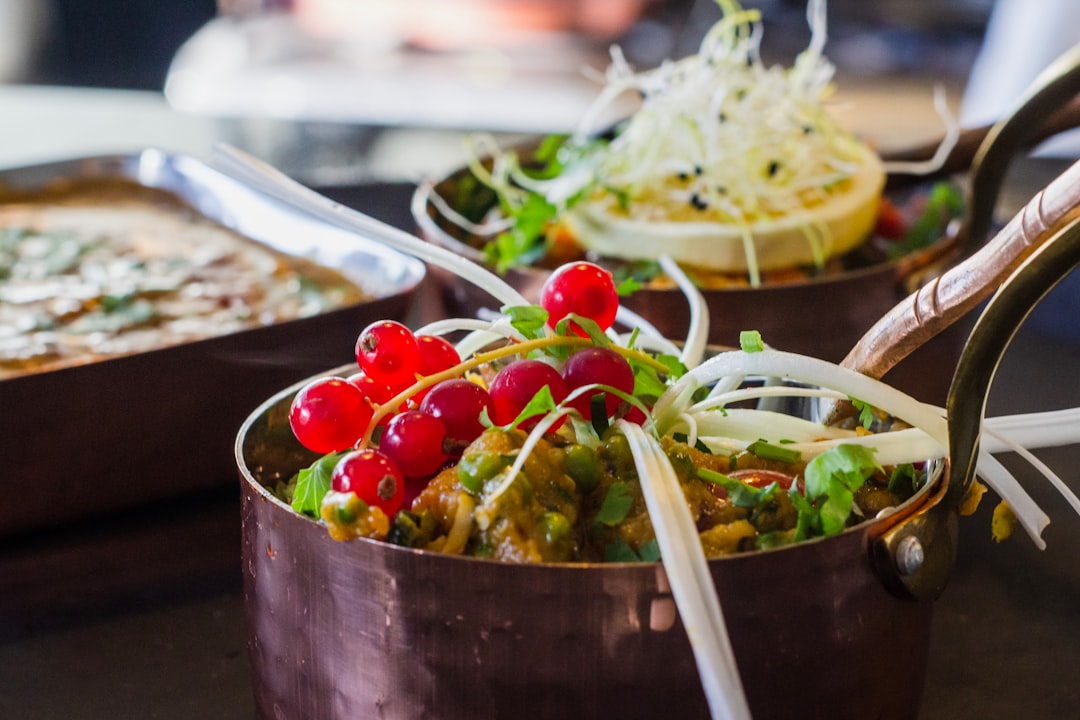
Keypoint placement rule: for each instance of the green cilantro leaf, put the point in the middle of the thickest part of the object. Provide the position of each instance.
(628, 287)
(866, 413)
(619, 551)
(831, 480)
(904, 479)
(541, 404)
(944, 203)
(312, 484)
(650, 551)
(529, 320)
(616, 505)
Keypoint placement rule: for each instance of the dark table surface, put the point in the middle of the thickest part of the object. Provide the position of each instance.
(139, 615)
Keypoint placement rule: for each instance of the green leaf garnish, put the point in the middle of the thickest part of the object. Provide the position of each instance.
(831, 480)
(944, 203)
(541, 404)
(312, 484)
(628, 287)
(616, 505)
(905, 479)
(867, 415)
(619, 551)
(741, 494)
(529, 320)
(650, 552)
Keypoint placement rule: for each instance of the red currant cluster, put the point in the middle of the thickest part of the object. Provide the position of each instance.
(413, 387)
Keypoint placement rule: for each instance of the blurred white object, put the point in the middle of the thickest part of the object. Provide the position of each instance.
(23, 27)
(1022, 38)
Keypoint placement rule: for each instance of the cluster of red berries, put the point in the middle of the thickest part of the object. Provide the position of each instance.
(438, 420)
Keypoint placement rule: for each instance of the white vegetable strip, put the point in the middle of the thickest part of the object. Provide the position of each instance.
(948, 142)
(1030, 515)
(768, 391)
(1039, 465)
(527, 447)
(628, 318)
(1033, 430)
(697, 335)
(688, 573)
(803, 369)
(775, 427)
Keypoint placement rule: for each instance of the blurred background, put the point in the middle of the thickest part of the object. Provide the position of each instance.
(312, 85)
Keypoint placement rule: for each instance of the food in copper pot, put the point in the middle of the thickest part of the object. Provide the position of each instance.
(101, 268)
(516, 444)
(735, 169)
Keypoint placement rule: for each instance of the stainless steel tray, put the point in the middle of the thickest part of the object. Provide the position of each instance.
(127, 431)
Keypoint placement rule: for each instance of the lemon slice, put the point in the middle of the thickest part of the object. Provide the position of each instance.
(806, 234)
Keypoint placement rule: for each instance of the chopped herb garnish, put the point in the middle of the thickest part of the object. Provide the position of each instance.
(750, 341)
(616, 505)
(312, 484)
(769, 451)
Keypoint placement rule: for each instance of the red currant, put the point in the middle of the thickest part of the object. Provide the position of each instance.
(582, 288)
(597, 365)
(516, 384)
(378, 393)
(436, 354)
(372, 477)
(329, 414)
(414, 441)
(387, 352)
(459, 403)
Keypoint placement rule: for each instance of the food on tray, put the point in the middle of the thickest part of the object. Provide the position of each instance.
(100, 268)
(733, 168)
(518, 443)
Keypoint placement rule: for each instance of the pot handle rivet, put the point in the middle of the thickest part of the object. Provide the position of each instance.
(909, 555)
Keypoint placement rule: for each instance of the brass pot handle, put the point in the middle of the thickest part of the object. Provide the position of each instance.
(1048, 96)
(915, 557)
(995, 328)
(948, 297)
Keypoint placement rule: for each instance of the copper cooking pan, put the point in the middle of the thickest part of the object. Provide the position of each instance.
(823, 316)
(834, 628)
(366, 629)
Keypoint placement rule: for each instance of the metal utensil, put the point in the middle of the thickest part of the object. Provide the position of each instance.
(1046, 267)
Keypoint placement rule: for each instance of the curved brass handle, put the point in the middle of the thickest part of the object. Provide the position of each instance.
(1052, 89)
(948, 297)
(914, 558)
(994, 330)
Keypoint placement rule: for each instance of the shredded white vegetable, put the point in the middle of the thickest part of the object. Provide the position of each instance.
(689, 576)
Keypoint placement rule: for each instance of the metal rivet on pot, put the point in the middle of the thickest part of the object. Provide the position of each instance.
(909, 555)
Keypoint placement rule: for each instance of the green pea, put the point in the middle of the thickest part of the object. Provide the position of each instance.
(617, 450)
(581, 465)
(554, 527)
(478, 467)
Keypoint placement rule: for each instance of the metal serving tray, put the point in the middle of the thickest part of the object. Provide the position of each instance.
(128, 431)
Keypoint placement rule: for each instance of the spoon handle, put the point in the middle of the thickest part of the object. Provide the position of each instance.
(951, 295)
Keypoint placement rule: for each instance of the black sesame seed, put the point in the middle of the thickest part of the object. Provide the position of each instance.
(698, 202)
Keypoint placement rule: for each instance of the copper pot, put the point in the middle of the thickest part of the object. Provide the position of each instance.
(833, 628)
(367, 629)
(822, 317)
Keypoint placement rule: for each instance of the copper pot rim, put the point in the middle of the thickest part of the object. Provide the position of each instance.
(886, 523)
